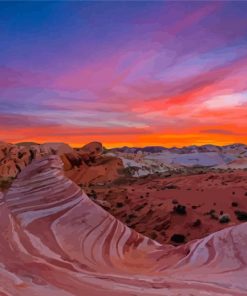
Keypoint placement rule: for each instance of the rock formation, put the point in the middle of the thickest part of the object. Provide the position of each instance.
(83, 165)
(55, 241)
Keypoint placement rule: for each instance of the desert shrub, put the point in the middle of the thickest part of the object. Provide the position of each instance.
(119, 205)
(178, 238)
(197, 223)
(241, 215)
(180, 209)
(212, 214)
(234, 204)
(170, 187)
(224, 218)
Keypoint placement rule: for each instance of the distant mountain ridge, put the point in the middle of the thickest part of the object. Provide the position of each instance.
(154, 159)
(94, 163)
(182, 150)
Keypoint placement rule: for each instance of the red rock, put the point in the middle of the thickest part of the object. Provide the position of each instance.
(55, 241)
(83, 165)
(93, 149)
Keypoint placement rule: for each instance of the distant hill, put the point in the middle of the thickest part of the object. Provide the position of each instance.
(182, 150)
(26, 143)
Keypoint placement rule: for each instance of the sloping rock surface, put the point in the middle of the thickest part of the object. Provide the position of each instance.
(55, 241)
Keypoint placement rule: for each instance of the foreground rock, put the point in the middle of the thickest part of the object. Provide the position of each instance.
(55, 241)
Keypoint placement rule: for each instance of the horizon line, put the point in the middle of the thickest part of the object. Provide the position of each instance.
(130, 145)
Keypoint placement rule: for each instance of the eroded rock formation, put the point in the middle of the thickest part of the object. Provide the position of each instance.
(83, 165)
(55, 241)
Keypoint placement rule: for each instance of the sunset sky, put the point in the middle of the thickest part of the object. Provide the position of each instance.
(124, 73)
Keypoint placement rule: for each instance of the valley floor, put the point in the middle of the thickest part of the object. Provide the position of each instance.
(192, 206)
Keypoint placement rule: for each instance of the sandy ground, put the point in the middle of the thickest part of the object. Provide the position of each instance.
(147, 204)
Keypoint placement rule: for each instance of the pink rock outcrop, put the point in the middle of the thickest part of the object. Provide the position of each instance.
(55, 241)
(83, 165)
(92, 149)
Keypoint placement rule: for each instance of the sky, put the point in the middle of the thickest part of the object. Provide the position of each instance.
(124, 73)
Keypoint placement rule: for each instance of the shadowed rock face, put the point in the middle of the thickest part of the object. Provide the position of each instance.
(55, 241)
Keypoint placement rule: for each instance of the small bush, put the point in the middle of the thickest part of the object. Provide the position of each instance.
(119, 205)
(170, 187)
(224, 218)
(241, 215)
(180, 210)
(212, 214)
(197, 223)
(178, 238)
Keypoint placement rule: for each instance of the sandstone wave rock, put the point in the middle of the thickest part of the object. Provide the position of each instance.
(54, 240)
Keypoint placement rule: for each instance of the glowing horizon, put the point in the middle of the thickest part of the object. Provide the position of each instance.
(124, 74)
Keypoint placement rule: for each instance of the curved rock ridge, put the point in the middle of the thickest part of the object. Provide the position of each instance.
(54, 240)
